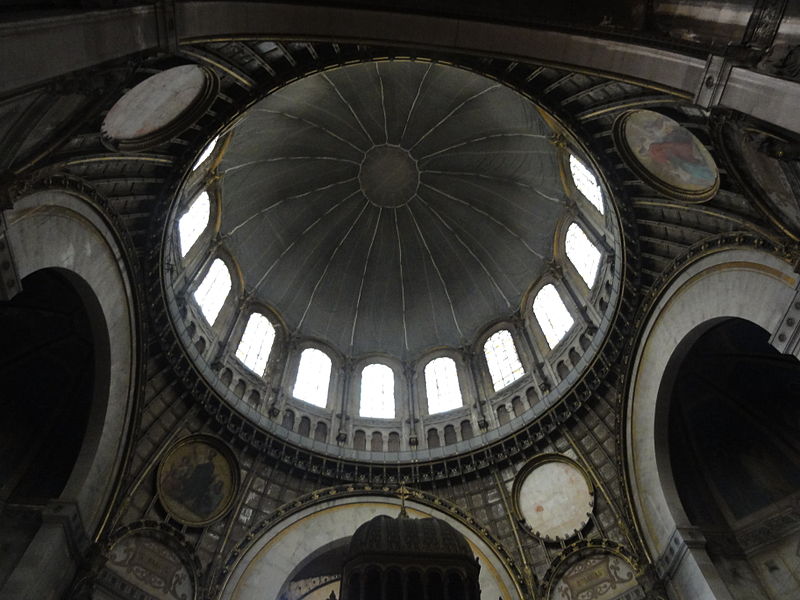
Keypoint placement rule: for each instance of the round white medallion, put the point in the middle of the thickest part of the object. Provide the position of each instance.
(154, 103)
(555, 500)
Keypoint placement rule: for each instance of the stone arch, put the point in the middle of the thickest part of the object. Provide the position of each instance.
(84, 249)
(749, 284)
(273, 556)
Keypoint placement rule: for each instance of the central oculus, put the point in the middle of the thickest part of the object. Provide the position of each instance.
(389, 176)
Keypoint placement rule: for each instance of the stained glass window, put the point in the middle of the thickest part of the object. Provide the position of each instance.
(212, 291)
(377, 392)
(441, 385)
(501, 356)
(552, 314)
(256, 343)
(313, 377)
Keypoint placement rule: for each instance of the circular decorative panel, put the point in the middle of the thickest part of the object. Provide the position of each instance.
(150, 566)
(159, 108)
(197, 480)
(666, 155)
(554, 498)
(598, 577)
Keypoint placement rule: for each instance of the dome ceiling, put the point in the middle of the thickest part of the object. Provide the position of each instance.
(391, 206)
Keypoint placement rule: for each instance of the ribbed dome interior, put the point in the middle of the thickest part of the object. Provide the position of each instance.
(391, 206)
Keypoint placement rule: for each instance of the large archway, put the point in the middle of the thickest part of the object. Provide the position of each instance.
(47, 364)
(278, 556)
(734, 448)
(748, 284)
(68, 355)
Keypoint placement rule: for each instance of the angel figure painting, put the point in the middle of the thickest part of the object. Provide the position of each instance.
(669, 153)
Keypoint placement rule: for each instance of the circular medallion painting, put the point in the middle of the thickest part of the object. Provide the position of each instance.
(666, 155)
(554, 499)
(197, 480)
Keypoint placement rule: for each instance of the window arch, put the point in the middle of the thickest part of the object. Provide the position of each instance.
(582, 253)
(211, 293)
(586, 182)
(256, 343)
(552, 314)
(377, 392)
(192, 223)
(313, 377)
(502, 359)
(441, 385)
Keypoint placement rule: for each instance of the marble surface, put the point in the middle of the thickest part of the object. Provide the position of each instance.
(555, 500)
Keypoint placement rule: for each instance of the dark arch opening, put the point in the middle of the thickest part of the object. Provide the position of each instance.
(47, 366)
(734, 449)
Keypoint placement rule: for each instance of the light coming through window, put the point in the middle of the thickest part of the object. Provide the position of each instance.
(212, 291)
(256, 343)
(441, 385)
(586, 183)
(553, 316)
(193, 222)
(501, 356)
(377, 392)
(313, 377)
(582, 253)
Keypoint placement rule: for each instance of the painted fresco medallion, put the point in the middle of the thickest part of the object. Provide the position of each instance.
(598, 577)
(198, 480)
(554, 498)
(159, 108)
(151, 566)
(666, 155)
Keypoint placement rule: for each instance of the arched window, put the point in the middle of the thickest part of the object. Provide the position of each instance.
(212, 291)
(193, 222)
(582, 253)
(501, 356)
(205, 153)
(313, 377)
(256, 343)
(433, 438)
(449, 435)
(377, 392)
(502, 414)
(360, 440)
(441, 384)
(586, 183)
(553, 316)
(288, 419)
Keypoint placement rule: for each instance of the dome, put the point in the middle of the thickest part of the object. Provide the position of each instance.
(379, 243)
(406, 536)
(390, 206)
